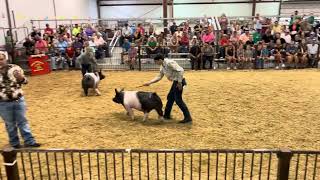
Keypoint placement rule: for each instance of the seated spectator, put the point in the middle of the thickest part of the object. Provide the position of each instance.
(179, 32)
(152, 46)
(279, 52)
(139, 33)
(223, 20)
(208, 37)
(48, 30)
(292, 51)
(92, 44)
(286, 36)
(207, 52)
(240, 56)
(174, 43)
(195, 54)
(89, 30)
(263, 57)
(258, 23)
(173, 28)
(186, 28)
(48, 40)
(248, 57)
(295, 28)
(61, 57)
(250, 41)
(280, 40)
(126, 33)
(313, 53)
(276, 27)
(223, 43)
(101, 46)
(77, 46)
(41, 45)
(132, 56)
(267, 37)
(70, 55)
(61, 29)
(235, 36)
(245, 36)
(29, 45)
(76, 30)
(231, 56)
(151, 30)
(125, 48)
(197, 29)
(302, 56)
(35, 32)
(256, 37)
(184, 43)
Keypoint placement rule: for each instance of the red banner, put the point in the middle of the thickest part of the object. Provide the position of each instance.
(39, 65)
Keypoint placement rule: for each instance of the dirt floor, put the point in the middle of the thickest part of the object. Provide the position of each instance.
(236, 109)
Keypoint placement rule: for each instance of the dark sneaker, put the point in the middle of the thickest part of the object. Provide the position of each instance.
(186, 121)
(17, 146)
(32, 145)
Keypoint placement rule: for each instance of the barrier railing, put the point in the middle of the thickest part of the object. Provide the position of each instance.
(159, 164)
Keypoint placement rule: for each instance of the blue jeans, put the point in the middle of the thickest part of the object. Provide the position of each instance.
(260, 63)
(13, 114)
(175, 95)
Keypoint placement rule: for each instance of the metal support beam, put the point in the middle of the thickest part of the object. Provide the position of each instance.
(165, 14)
(254, 5)
(55, 12)
(99, 11)
(11, 50)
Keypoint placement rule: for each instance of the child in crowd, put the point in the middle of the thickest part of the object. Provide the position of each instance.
(248, 57)
(132, 56)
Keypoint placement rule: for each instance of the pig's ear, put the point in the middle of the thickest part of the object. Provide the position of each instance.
(116, 91)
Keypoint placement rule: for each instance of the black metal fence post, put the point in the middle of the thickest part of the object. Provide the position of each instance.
(10, 163)
(284, 157)
(139, 56)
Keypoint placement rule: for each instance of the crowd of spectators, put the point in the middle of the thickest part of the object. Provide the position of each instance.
(242, 45)
(249, 44)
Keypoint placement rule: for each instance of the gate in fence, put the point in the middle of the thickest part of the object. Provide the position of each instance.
(159, 164)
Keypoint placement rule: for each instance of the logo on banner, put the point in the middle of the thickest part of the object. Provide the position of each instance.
(37, 66)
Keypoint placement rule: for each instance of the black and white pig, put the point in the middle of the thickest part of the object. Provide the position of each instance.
(141, 101)
(91, 80)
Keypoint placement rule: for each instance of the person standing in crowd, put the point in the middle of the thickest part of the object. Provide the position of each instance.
(173, 72)
(12, 104)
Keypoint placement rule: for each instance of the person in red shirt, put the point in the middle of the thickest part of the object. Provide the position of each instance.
(184, 44)
(48, 30)
(224, 41)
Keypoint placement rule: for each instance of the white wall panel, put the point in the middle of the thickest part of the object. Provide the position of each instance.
(212, 10)
(131, 11)
(268, 9)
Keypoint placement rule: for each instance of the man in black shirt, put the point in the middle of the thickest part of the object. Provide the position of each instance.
(267, 38)
(173, 28)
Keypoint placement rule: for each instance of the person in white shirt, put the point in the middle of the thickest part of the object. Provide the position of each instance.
(174, 73)
(98, 40)
(312, 53)
(286, 36)
(126, 33)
